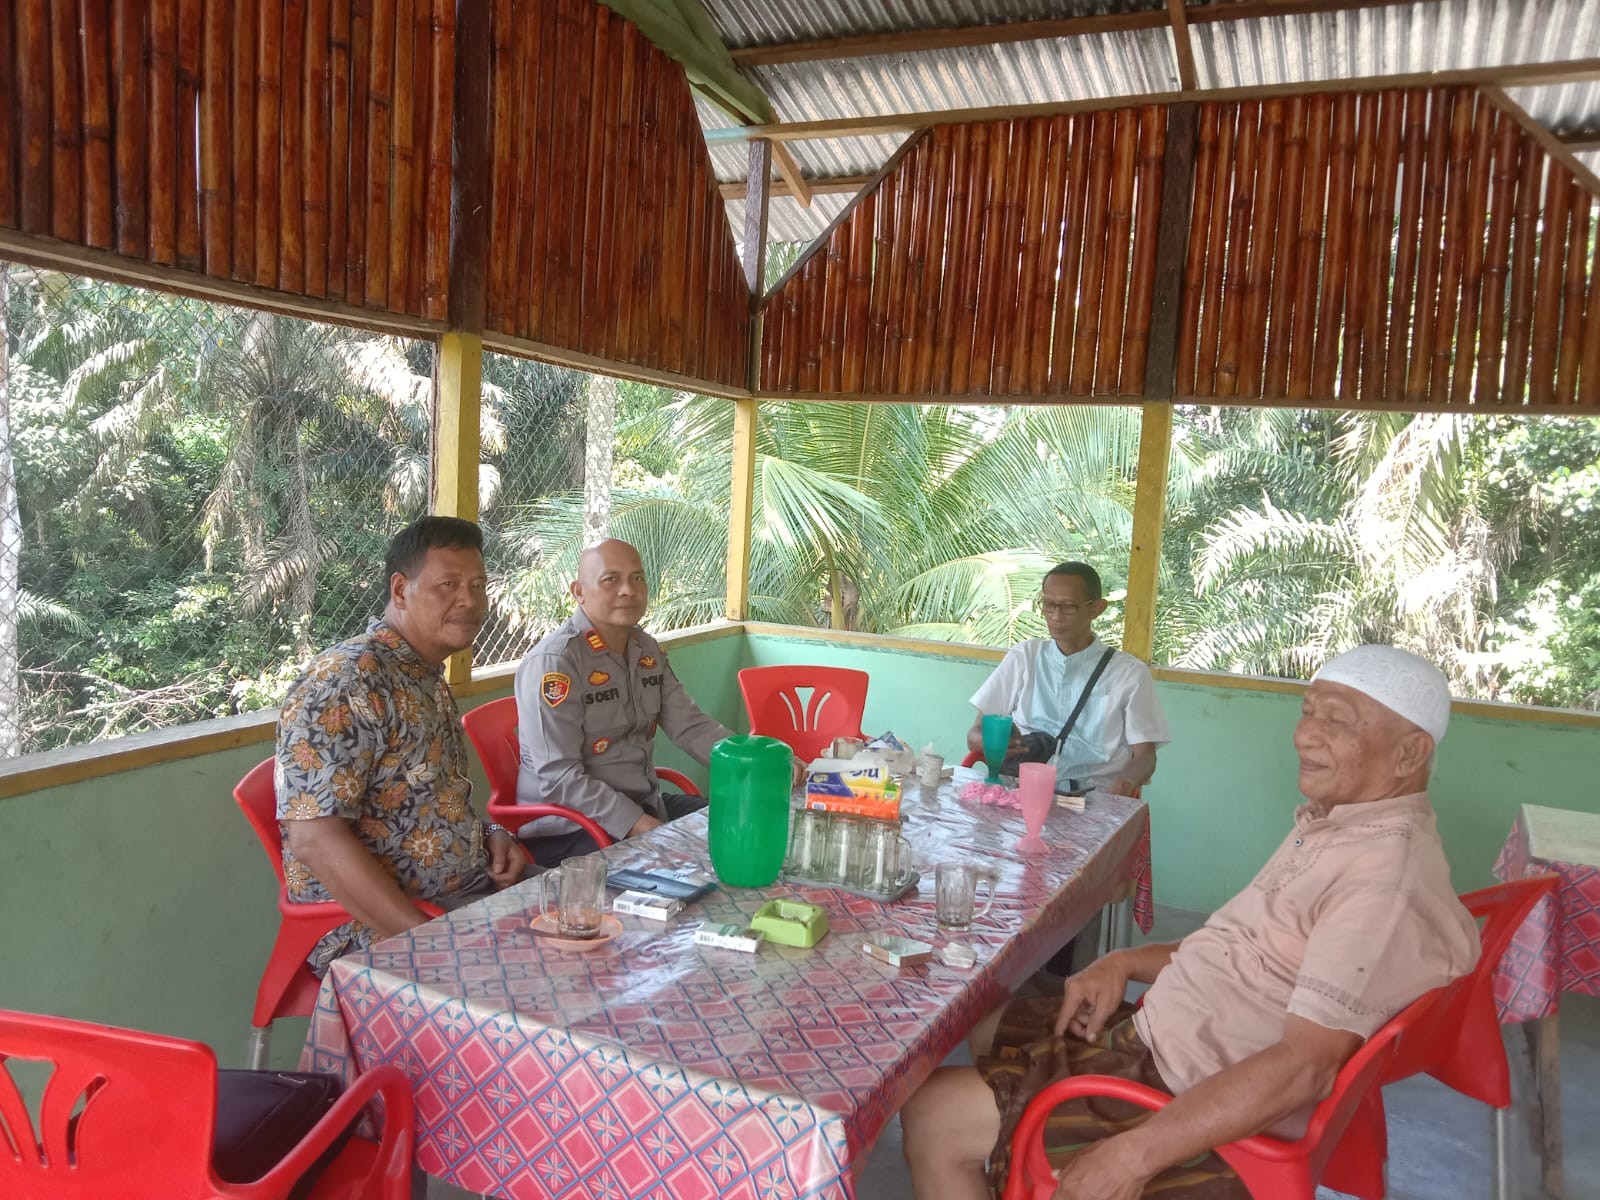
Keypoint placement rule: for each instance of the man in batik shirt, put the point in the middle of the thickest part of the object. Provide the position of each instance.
(373, 796)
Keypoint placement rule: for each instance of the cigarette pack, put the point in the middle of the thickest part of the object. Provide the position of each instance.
(642, 904)
(896, 951)
(727, 937)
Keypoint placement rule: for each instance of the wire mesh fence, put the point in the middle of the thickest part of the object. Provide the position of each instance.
(193, 498)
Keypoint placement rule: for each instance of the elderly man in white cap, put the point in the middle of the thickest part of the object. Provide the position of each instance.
(1247, 1020)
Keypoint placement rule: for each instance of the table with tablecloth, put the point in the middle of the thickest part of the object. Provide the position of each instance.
(1557, 948)
(653, 1066)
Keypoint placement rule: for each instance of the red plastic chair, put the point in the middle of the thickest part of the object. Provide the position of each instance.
(287, 988)
(132, 1115)
(1271, 1168)
(492, 730)
(1459, 1044)
(772, 699)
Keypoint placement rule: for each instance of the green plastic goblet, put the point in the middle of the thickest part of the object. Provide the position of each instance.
(996, 741)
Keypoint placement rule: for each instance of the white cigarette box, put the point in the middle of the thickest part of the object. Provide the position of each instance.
(728, 937)
(642, 904)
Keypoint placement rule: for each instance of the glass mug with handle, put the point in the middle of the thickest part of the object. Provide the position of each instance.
(886, 864)
(579, 892)
(955, 894)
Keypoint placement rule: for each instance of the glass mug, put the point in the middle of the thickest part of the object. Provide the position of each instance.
(579, 885)
(843, 859)
(886, 863)
(808, 843)
(955, 893)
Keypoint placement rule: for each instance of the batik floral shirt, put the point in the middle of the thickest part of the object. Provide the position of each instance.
(370, 733)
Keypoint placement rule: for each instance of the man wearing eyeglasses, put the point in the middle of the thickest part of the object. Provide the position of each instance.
(1111, 742)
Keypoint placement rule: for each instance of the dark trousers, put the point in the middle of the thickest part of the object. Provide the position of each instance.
(551, 851)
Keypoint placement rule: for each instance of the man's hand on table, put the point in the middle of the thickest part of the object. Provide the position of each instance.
(1108, 1170)
(1091, 996)
(506, 860)
(644, 824)
(1123, 787)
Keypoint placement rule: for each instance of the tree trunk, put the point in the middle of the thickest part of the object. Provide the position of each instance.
(10, 547)
(599, 440)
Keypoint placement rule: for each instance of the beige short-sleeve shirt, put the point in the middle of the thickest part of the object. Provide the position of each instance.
(1351, 919)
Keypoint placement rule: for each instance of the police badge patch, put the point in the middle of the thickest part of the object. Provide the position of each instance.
(596, 642)
(647, 661)
(596, 678)
(600, 746)
(554, 687)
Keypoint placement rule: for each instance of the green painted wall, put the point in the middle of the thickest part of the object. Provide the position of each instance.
(142, 899)
(1224, 793)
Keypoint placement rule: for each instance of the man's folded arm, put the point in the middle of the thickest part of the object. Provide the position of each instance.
(330, 850)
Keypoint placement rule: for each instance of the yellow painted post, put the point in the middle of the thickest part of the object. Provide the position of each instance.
(1149, 514)
(741, 509)
(459, 398)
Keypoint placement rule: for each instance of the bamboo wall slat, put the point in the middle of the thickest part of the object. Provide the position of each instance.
(1483, 296)
(237, 139)
(608, 233)
(1008, 258)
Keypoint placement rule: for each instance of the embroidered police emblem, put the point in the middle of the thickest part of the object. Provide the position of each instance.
(596, 678)
(554, 687)
(647, 661)
(600, 746)
(596, 642)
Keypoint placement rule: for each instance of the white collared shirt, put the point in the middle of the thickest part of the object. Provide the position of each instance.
(1036, 686)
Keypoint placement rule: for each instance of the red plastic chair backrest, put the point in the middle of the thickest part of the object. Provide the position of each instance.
(838, 697)
(1461, 1045)
(492, 730)
(122, 1114)
(257, 798)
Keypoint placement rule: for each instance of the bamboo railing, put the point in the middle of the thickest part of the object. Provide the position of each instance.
(608, 233)
(1008, 258)
(1407, 248)
(298, 154)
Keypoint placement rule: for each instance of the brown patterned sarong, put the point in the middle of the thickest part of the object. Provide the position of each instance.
(1027, 1057)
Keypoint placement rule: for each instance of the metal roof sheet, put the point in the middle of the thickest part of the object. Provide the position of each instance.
(768, 22)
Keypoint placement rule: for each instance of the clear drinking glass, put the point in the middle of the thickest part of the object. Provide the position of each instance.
(578, 887)
(955, 893)
(808, 844)
(886, 866)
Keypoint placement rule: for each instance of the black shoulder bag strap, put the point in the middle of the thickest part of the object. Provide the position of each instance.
(1083, 696)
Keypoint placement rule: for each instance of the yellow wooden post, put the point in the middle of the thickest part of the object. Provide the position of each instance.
(741, 509)
(455, 445)
(1149, 514)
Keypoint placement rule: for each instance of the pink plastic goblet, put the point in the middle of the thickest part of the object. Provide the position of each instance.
(1036, 783)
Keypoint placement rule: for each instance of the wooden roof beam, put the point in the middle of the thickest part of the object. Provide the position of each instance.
(1513, 75)
(955, 37)
(1580, 143)
(792, 175)
(832, 185)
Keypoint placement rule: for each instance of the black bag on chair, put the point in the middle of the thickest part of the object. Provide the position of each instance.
(261, 1115)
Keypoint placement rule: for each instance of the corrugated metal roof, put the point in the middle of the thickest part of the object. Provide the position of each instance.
(1403, 38)
(1562, 107)
(1394, 40)
(769, 22)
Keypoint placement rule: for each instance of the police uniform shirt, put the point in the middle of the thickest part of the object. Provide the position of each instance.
(587, 715)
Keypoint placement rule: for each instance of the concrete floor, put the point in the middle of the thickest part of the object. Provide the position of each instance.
(1439, 1142)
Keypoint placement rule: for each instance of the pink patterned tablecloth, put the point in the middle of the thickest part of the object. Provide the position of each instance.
(1557, 949)
(652, 1067)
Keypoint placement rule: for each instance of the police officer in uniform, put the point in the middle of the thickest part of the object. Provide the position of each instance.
(590, 696)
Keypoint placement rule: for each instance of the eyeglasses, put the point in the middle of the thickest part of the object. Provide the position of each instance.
(1058, 608)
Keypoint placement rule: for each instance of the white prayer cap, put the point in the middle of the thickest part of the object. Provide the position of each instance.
(1403, 682)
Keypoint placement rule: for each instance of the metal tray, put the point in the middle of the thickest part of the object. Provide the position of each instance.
(903, 890)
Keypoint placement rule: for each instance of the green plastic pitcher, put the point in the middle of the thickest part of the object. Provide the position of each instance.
(748, 825)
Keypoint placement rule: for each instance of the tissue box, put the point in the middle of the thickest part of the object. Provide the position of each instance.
(858, 788)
